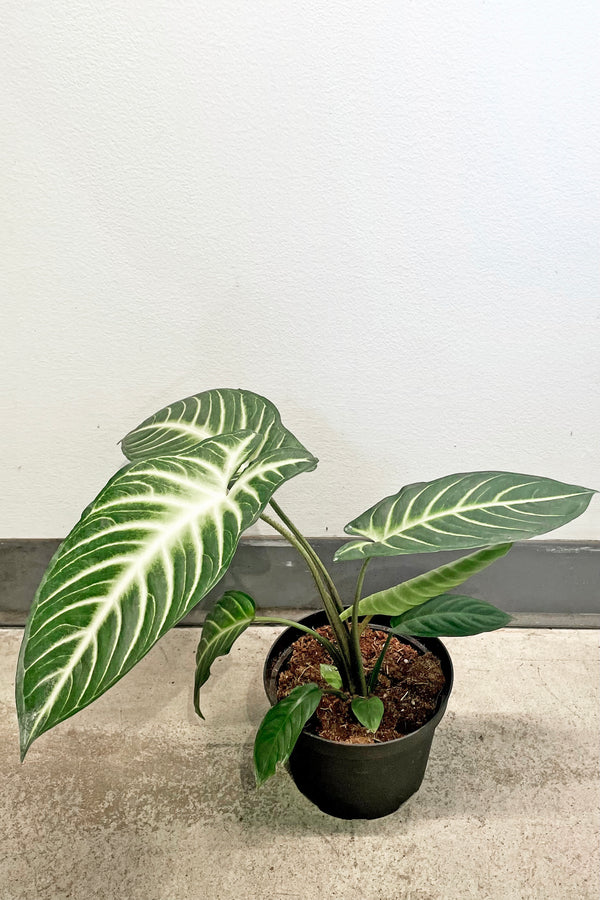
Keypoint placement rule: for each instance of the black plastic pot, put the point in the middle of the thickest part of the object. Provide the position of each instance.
(358, 781)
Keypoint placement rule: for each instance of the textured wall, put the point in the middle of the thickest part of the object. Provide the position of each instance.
(383, 216)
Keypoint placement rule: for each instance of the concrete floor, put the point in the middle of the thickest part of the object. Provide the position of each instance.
(136, 798)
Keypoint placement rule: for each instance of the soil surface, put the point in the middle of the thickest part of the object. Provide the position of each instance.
(409, 684)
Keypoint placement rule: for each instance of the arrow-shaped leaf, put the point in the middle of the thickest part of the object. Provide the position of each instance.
(229, 617)
(395, 600)
(150, 546)
(281, 727)
(458, 512)
(181, 426)
(451, 615)
(369, 711)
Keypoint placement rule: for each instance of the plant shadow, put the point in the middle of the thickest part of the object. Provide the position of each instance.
(160, 792)
(483, 768)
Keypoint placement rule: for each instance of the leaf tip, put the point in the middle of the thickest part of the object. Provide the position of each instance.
(260, 773)
(25, 742)
(197, 709)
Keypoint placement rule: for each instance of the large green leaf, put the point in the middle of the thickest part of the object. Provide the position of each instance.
(223, 625)
(395, 600)
(281, 727)
(181, 426)
(150, 546)
(462, 511)
(451, 615)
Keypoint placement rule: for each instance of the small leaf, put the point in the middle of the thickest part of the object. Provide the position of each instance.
(450, 615)
(230, 616)
(281, 727)
(331, 675)
(369, 711)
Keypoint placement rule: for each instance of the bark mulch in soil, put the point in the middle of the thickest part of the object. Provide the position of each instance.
(409, 684)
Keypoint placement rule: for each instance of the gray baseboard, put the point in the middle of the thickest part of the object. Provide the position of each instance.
(551, 584)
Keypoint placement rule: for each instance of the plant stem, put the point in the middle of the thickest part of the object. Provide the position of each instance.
(359, 585)
(314, 555)
(328, 601)
(357, 660)
(340, 694)
(331, 648)
(364, 624)
(289, 536)
(360, 581)
(379, 663)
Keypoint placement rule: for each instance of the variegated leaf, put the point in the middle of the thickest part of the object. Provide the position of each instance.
(458, 512)
(226, 621)
(396, 600)
(150, 546)
(179, 427)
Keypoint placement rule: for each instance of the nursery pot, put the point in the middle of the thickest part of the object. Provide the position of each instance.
(358, 781)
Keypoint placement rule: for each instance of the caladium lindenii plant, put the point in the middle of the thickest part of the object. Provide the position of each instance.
(165, 528)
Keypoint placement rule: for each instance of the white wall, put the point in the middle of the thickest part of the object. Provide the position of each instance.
(384, 216)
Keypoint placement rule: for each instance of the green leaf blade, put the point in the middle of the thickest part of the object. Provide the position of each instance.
(464, 511)
(281, 727)
(331, 675)
(181, 426)
(225, 622)
(369, 711)
(157, 538)
(396, 600)
(450, 615)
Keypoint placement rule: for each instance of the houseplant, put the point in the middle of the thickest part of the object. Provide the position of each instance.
(164, 530)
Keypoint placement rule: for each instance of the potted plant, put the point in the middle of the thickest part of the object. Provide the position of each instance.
(163, 532)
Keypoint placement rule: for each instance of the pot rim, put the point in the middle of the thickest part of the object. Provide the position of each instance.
(438, 647)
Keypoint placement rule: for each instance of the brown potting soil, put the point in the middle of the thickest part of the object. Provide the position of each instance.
(409, 684)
